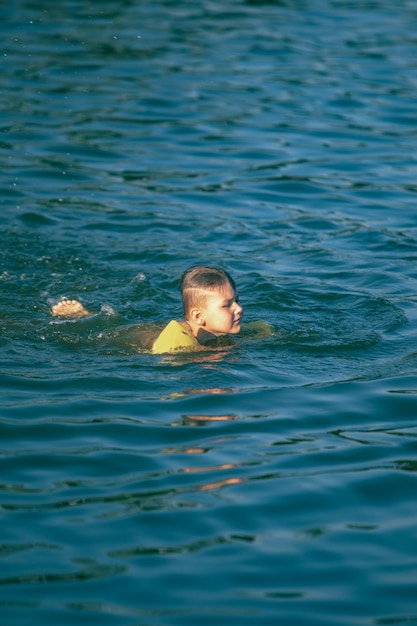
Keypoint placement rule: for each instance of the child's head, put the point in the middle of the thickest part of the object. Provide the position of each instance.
(210, 300)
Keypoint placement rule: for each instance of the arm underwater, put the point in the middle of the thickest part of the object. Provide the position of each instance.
(175, 338)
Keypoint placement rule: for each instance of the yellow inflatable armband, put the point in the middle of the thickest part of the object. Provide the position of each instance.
(174, 337)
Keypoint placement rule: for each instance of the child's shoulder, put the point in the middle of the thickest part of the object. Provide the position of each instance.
(174, 337)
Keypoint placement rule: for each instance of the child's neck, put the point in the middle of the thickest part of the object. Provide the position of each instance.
(201, 334)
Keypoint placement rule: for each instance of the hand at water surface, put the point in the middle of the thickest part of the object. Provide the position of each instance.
(69, 308)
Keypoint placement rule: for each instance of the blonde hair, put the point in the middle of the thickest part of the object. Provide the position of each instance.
(200, 279)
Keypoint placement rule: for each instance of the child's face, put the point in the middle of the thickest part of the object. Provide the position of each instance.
(222, 313)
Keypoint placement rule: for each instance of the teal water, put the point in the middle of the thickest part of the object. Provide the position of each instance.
(274, 483)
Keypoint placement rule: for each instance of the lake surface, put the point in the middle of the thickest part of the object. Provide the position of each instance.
(274, 483)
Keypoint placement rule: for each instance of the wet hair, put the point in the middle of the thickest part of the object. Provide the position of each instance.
(198, 280)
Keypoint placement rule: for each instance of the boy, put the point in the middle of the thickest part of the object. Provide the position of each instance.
(211, 310)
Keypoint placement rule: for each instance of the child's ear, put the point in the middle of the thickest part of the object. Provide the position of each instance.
(197, 316)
